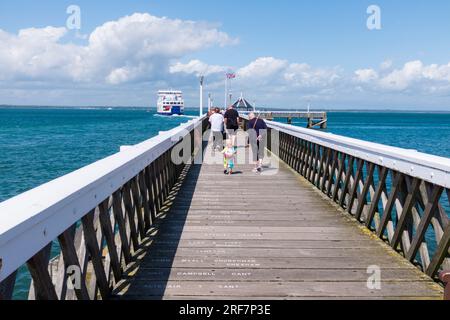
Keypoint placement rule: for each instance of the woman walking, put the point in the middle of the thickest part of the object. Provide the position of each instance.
(257, 131)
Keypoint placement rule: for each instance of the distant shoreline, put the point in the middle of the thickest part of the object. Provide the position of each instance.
(194, 109)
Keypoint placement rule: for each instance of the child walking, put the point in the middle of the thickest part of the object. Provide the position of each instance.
(229, 157)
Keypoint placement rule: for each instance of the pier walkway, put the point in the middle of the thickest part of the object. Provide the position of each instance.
(330, 218)
(269, 236)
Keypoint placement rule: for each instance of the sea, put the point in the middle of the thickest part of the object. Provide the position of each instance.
(40, 144)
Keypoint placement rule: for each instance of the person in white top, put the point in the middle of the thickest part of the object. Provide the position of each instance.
(216, 120)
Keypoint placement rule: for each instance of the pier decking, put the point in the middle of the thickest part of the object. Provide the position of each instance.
(330, 218)
(269, 236)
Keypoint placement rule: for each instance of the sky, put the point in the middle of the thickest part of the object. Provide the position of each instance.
(285, 53)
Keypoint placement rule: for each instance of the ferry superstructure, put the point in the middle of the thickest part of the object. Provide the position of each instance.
(170, 102)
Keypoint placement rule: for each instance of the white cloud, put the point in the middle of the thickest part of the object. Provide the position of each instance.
(366, 75)
(282, 75)
(134, 56)
(197, 68)
(304, 76)
(262, 68)
(387, 64)
(414, 76)
(131, 48)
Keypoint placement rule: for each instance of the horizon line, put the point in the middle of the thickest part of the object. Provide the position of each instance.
(405, 109)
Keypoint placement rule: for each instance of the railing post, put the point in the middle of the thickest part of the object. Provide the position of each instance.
(444, 276)
(7, 285)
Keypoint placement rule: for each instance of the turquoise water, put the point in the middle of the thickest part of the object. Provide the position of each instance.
(38, 145)
(425, 132)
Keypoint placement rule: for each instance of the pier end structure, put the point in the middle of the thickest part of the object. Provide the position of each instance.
(314, 119)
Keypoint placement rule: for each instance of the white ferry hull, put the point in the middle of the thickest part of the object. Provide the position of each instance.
(174, 111)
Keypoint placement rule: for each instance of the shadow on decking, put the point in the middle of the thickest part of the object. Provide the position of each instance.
(149, 273)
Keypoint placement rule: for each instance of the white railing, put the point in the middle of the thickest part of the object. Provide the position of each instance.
(433, 169)
(30, 221)
(401, 195)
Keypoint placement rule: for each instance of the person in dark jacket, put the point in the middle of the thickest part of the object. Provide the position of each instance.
(231, 124)
(257, 131)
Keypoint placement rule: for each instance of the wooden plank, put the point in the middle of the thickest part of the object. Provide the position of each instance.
(119, 217)
(71, 260)
(316, 153)
(376, 198)
(281, 289)
(266, 244)
(424, 222)
(7, 285)
(275, 275)
(325, 170)
(337, 182)
(151, 197)
(261, 236)
(362, 199)
(406, 213)
(303, 157)
(398, 178)
(42, 282)
(353, 191)
(440, 254)
(137, 203)
(213, 262)
(345, 186)
(130, 213)
(161, 251)
(143, 190)
(107, 230)
(298, 154)
(332, 172)
(95, 254)
(152, 173)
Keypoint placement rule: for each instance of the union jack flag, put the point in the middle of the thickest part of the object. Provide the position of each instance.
(231, 75)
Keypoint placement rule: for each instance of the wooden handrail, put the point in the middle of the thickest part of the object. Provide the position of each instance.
(398, 194)
(97, 216)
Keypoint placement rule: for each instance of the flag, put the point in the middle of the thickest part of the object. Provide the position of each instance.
(231, 75)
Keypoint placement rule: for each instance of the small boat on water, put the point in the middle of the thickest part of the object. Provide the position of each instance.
(170, 103)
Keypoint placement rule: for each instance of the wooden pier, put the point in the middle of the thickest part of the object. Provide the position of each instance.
(254, 237)
(314, 119)
(330, 218)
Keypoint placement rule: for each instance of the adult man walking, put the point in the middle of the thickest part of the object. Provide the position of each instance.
(232, 124)
(216, 120)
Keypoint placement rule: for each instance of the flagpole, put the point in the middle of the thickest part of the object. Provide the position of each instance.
(226, 91)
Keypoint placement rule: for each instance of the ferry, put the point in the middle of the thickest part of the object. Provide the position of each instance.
(170, 103)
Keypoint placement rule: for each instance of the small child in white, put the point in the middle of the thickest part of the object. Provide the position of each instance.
(229, 157)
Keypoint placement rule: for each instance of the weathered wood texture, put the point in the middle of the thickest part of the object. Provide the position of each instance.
(94, 252)
(270, 236)
(406, 212)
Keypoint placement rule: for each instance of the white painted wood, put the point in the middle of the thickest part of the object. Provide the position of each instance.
(433, 169)
(31, 220)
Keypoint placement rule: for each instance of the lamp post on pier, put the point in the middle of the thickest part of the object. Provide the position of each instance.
(209, 102)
